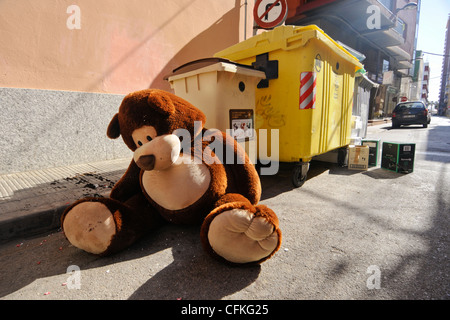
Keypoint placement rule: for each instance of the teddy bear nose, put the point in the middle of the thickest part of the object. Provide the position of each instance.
(146, 162)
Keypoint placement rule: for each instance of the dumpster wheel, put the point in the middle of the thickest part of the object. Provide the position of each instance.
(299, 174)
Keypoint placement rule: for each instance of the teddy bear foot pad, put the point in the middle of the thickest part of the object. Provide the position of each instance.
(90, 226)
(239, 236)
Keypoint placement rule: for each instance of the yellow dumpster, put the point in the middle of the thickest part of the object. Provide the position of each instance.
(306, 95)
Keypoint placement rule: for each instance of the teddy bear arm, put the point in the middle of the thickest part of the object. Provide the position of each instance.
(128, 185)
(244, 174)
(248, 182)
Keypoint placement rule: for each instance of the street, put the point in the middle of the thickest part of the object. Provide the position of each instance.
(347, 234)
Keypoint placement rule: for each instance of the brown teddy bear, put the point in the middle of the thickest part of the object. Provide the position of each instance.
(180, 173)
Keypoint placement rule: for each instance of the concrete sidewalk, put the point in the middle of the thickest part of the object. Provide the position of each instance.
(376, 122)
(32, 202)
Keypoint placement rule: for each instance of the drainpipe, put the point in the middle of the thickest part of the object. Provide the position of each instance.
(245, 20)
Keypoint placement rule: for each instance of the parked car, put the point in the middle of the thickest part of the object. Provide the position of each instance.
(432, 110)
(411, 112)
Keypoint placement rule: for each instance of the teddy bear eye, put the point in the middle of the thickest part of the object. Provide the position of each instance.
(139, 143)
(149, 138)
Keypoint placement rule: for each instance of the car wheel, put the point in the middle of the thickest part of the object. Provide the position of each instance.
(395, 124)
(425, 125)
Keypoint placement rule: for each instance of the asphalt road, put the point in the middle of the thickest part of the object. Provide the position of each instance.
(347, 234)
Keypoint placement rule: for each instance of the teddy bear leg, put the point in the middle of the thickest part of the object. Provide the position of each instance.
(241, 233)
(104, 225)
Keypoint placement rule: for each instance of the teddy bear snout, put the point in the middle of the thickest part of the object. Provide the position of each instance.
(146, 162)
(159, 154)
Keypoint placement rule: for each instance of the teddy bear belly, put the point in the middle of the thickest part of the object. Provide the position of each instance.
(177, 187)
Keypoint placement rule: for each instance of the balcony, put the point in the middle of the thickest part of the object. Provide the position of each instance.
(402, 58)
(355, 15)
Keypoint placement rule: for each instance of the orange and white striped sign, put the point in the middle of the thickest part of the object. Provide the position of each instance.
(307, 90)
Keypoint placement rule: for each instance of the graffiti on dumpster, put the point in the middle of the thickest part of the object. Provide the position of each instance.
(318, 63)
(267, 115)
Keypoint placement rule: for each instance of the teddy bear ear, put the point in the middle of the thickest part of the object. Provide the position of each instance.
(113, 130)
(162, 102)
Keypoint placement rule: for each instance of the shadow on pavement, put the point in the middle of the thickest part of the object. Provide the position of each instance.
(281, 182)
(425, 275)
(192, 274)
(380, 173)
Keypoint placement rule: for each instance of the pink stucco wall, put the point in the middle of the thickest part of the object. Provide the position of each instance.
(121, 45)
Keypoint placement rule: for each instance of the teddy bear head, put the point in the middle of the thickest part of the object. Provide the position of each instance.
(148, 120)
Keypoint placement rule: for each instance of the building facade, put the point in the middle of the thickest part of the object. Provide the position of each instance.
(66, 65)
(384, 31)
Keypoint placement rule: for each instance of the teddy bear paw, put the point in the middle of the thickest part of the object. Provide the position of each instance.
(239, 236)
(90, 226)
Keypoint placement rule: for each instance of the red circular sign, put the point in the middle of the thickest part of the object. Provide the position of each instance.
(270, 13)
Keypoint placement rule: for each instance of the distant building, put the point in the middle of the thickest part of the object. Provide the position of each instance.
(417, 77)
(425, 82)
(444, 101)
(420, 80)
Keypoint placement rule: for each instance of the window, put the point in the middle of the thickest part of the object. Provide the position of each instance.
(388, 4)
(409, 105)
(385, 65)
(400, 27)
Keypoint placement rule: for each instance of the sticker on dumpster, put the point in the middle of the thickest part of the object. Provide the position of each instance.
(242, 124)
(307, 90)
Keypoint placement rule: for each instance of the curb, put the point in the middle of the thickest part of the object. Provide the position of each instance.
(31, 203)
(376, 122)
(31, 224)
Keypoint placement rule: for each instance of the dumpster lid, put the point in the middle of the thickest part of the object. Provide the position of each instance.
(285, 38)
(213, 64)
